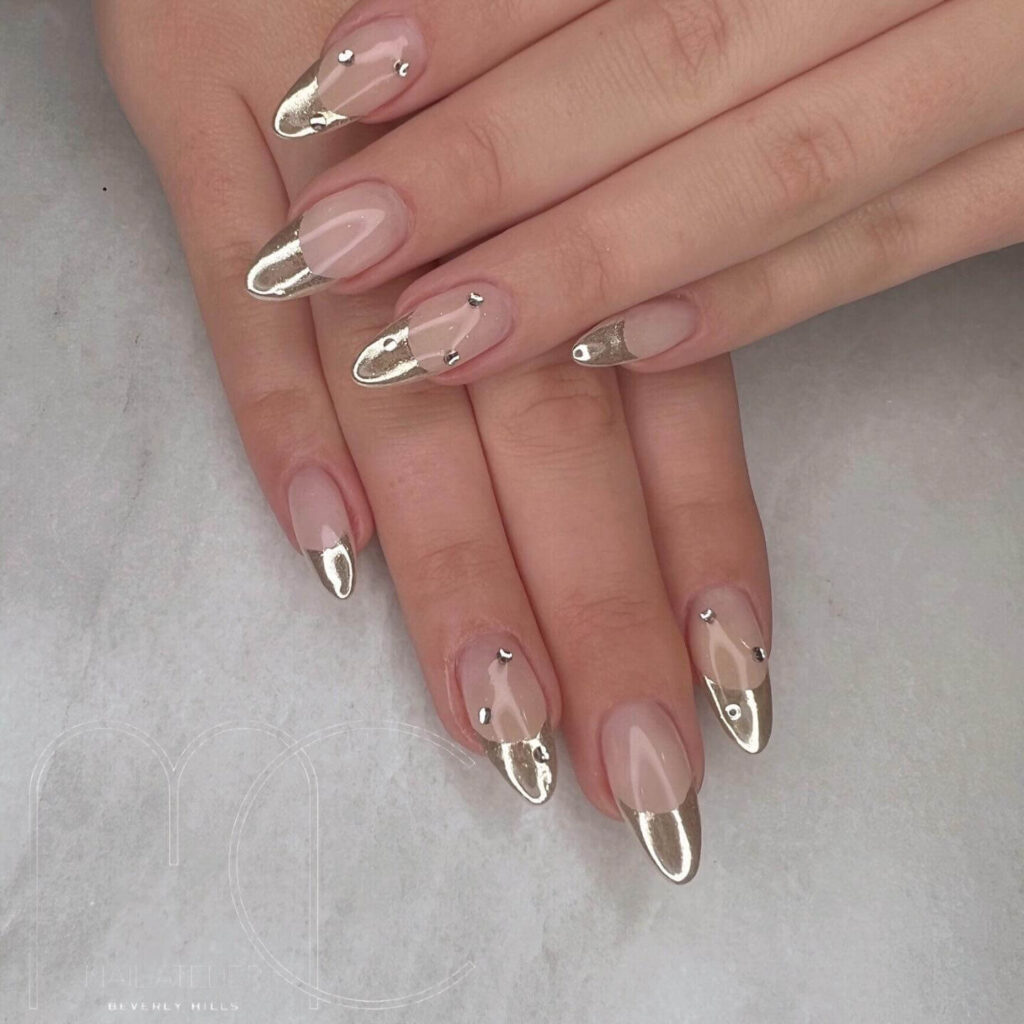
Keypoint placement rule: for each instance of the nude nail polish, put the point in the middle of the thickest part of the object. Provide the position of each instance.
(360, 70)
(507, 709)
(639, 333)
(731, 656)
(335, 239)
(442, 332)
(322, 529)
(652, 782)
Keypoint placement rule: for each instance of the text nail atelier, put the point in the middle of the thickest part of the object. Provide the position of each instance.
(191, 1007)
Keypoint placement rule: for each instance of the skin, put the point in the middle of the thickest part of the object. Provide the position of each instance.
(577, 511)
(697, 147)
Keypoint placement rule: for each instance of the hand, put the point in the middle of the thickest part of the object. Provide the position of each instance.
(552, 536)
(692, 174)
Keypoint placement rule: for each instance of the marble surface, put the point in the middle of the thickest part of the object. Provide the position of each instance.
(161, 649)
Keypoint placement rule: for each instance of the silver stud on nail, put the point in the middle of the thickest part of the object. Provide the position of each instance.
(451, 358)
(759, 653)
(485, 716)
(346, 57)
(318, 122)
(708, 615)
(391, 344)
(733, 711)
(401, 68)
(504, 656)
(475, 299)
(540, 755)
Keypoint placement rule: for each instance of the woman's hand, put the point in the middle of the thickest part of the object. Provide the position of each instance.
(692, 174)
(552, 537)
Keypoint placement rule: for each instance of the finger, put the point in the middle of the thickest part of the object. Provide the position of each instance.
(685, 427)
(484, 659)
(971, 204)
(385, 59)
(266, 356)
(563, 469)
(740, 185)
(509, 144)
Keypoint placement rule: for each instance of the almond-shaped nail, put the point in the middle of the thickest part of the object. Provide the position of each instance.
(359, 71)
(652, 782)
(441, 332)
(336, 238)
(731, 655)
(641, 332)
(506, 707)
(322, 529)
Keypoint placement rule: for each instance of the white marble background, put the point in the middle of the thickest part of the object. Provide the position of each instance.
(867, 868)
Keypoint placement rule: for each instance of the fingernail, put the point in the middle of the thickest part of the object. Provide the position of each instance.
(639, 333)
(506, 706)
(731, 655)
(335, 239)
(442, 332)
(359, 71)
(652, 782)
(322, 529)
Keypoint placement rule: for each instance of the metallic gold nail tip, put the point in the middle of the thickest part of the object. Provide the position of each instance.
(335, 567)
(671, 838)
(388, 359)
(604, 346)
(529, 766)
(746, 715)
(280, 272)
(301, 113)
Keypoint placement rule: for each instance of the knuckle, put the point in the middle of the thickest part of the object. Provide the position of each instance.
(614, 618)
(889, 232)
(453, 567)
(587, 266)
(683, 43)
(803, 156)
(273, 412)
(557, 413)
(478, 151)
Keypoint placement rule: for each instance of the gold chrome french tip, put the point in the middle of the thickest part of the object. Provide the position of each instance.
(529, 766)
(604, 346)
(731, 657)
(280, 270)
(335, 567)
(670, 838)
(322, 528)
(302, 111)
(746, 715)
(388, 359)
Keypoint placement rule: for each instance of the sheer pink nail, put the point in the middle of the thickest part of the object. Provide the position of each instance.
(507, 709)
(652, 782)
(360, 70)
(335, 239)
(639, 333)
(730, 654)
(322, 529)
(440, 333)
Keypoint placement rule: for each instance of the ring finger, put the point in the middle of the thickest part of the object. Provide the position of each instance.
(566, 479)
